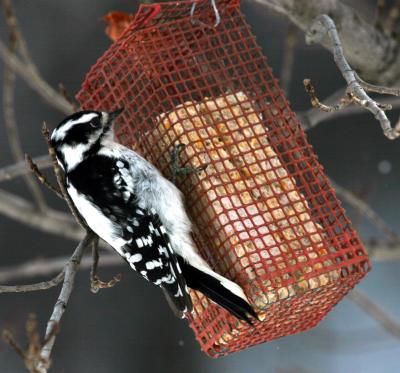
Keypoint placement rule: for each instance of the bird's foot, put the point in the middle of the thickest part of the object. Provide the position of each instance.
(177, 169)
(96, 284)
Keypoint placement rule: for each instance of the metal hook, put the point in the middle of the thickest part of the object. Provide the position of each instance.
(197, 22)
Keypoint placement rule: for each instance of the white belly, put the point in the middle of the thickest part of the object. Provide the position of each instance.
(96, 220)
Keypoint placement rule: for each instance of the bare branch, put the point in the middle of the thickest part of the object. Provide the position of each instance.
(377, 88)
(12, 23)
(44, 285)
(365, 210)
(19, 169)
(51, 221)
(376, 312)
(370, 51)
(288, 58)
(34, 168)
(315, 102)
(49, 266)
(66, 95)
(95, 283)
(312, 117)
(382, 254)
(324, 25)
(9, 108)
(62, 301)
(35, 81)
(9, 338)
(31, 356)
(364, 103)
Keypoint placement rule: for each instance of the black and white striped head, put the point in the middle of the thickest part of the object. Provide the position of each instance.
(80, 134)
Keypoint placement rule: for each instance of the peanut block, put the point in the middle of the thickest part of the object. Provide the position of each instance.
(260, 221)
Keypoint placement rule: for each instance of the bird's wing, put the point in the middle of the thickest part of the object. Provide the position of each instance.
(149, 252)
(109, 184)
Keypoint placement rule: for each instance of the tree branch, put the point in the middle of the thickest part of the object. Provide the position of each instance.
(324, 25)
(376, 312)
(44, 285)
(49, 266)
(70, 271)
(12, 23)
(316, 103)
(365, 210)
(20, 168)
(359, 36)
(30, 356)
(35, 169)
(9, 110)
(51, 221)
(312, 117)
(288, 58)
(35, 81)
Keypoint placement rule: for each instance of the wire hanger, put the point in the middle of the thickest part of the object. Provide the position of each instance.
(197, 22)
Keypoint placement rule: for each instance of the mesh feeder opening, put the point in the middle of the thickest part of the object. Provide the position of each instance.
(263, 211)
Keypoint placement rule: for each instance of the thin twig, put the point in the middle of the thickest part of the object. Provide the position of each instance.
(27, 68)
(316, 103)
(62, 301)
(313, 117)
(377, 88)
(20, 168)
(35, 169)
(66, 95)
(358, 35)
(324, 25)
(39, 286)
(365, 210)
(388, 323)
(50, 221)
(49, 266)
(31, 356)
(9, 339)
(95, 283)
(9, 110)
(288, 58)
(356, 100)
(12, 23)
(388, 254)
(35, 81)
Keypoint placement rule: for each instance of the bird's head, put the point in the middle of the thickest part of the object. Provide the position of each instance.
(80, 135)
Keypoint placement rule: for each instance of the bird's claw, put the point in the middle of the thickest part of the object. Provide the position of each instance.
(176, 169)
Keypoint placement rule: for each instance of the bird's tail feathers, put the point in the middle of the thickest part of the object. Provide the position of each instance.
(219, 289)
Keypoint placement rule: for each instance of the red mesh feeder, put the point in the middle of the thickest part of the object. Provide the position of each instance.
(263, 211)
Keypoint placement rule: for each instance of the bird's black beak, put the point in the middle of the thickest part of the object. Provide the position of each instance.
(115, 114)
(111, 117)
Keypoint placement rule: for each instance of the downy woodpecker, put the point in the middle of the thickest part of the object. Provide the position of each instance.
(126, 201)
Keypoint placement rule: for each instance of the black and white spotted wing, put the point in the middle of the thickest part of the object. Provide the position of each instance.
(105, 182)
(150, 253)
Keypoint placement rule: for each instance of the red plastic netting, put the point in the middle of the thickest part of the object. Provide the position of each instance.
(264, 212)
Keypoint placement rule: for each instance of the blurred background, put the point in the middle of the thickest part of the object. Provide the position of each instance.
(130, 328)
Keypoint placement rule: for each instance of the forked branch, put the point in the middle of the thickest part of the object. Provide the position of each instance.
(356, 88)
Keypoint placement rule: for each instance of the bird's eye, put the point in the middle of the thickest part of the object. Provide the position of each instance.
(95, 123)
